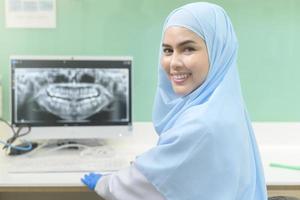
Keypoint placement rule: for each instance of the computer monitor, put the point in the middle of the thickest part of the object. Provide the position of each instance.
(71, 97)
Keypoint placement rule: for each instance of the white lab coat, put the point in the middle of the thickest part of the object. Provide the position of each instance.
(127, 184)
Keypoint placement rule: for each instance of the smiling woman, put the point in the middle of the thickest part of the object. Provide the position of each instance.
(185, 59)
(206, 148)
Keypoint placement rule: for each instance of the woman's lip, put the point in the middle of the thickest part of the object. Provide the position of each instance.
(179, 78)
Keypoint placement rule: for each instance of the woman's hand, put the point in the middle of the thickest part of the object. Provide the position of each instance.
(90, 180)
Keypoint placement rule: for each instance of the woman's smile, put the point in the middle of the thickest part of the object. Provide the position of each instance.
(179, 78)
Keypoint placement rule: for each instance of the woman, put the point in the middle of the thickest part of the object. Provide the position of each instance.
(206, 148)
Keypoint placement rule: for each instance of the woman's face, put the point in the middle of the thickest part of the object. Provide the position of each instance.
(185, 59)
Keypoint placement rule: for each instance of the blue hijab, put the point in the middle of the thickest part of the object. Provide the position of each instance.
(206, 148)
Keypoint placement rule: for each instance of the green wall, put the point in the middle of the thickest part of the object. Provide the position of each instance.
(268, 32)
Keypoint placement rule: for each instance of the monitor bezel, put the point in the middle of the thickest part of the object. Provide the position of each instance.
(70, 59)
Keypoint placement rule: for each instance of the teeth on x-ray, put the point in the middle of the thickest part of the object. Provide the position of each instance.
(73, 91)
(74, 100)
(72, 94)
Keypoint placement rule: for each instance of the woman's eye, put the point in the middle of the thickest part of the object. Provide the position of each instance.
(167, 51)
(189, 49)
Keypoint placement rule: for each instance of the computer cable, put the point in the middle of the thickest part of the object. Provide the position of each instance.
(17, 133)
(19, 147)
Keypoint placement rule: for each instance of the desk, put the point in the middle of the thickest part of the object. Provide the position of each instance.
(277, 142)
(280, 142)
(281, 181)
(67, 185)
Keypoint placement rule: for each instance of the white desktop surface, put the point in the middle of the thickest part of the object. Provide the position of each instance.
(143, 138)
(282, 155)
(278, 142)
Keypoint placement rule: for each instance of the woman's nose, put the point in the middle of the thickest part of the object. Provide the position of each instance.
(176, 61)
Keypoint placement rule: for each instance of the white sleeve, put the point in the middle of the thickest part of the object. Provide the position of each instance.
(128, 183)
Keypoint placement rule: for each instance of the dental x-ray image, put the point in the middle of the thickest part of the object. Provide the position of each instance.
(72, 95)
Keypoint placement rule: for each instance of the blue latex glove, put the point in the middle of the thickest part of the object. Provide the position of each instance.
(91, 179)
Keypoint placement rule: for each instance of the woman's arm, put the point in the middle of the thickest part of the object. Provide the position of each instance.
(128, 183)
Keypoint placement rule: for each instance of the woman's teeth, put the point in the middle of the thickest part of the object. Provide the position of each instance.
(180, 76)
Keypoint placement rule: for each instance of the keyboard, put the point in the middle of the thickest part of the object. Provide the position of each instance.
(70, 163)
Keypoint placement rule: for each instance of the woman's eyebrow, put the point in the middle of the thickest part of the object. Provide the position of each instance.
(180, 44)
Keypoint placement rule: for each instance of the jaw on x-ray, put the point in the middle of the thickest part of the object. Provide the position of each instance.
(72, 95)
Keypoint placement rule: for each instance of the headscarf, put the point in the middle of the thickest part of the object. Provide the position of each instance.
(206, 148)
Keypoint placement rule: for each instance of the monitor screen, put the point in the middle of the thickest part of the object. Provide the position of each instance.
(71, 92)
